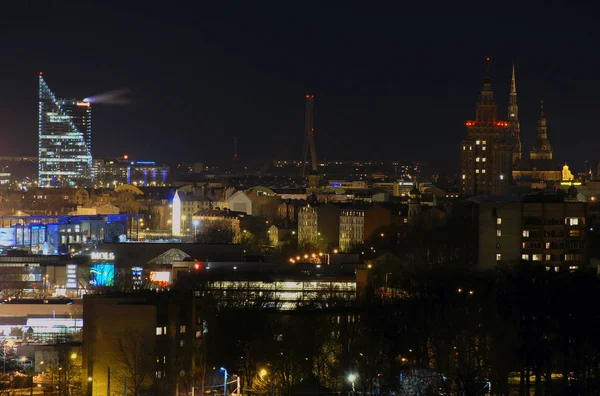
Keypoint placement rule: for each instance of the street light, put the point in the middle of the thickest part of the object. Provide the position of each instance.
(224, 381)
(196, 222)
(352, 378)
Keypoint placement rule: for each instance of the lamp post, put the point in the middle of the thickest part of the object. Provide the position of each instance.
(352, 379)
(196, 222)
(224, 381)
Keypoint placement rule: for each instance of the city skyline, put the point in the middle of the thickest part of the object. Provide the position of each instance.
(372, 81)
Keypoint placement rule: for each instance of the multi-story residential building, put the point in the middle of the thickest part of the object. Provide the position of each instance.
(65, 140)
(545, 229)
(352, 228)
(307, 226)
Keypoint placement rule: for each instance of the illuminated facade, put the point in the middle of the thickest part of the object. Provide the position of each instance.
(65, 140)
(176, 222)
(540, 169)
(486, 156)
(352, 228)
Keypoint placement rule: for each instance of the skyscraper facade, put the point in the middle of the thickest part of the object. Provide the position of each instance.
(65, 140)
(486, 155)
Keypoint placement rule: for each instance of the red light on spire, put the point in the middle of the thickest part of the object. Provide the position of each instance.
(307, 96)
(41, 73)
(487, 59)
(125, 156)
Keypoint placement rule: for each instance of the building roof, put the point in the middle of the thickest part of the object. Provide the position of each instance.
(169, 256)
(540, 164)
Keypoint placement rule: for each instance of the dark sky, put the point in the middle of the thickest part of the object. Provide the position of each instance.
(389, 83)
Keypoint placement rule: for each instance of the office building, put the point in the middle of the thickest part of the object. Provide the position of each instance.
(65, 140)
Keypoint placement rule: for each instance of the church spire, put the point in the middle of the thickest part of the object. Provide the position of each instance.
(542, 148)
(513, 117)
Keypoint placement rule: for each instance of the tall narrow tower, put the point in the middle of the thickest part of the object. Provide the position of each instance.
(514, 126)
(309, 137)
(65, 140)
(542, 150)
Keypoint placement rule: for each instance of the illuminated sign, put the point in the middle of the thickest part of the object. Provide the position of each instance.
(162, 277)
(103, 256)
(136, 274)
(102, 275)
(71, 276)
(84, 104)
(7, 237)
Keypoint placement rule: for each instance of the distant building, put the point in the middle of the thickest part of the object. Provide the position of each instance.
(352, 228)
(155, 330)
(307, 226)
(65, 140)
(486, 155)
(117, 171)
(545, 229)
(239, 202)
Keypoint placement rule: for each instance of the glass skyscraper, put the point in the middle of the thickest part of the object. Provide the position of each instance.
(65, 140)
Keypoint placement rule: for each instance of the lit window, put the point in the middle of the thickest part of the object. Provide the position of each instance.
(483, 159)
(525, 257)
(572, 221)
(498, 232)
(483, 171)
(501, 177)
(574, 233)
(476, 170)
(159, 331)
(573, 267)
(548, 257)
(198, 334)
(470, 147)
(483, 148)
(464, 147)
(525, 233)
(477, 142)
(547, 245)
(477, 159)
(182, 343)
(498, 257)
(182, 329)
(484, 142)
(536, 257)
(499, 220)
(464, 176)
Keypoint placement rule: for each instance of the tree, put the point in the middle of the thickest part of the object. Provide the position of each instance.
(133, 363)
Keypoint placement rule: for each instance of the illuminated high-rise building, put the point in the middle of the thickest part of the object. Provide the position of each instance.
(486, 155)
(65, 140)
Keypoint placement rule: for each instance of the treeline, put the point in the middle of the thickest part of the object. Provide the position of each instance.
(452, 333)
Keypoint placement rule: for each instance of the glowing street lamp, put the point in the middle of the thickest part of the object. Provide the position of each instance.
(352, 379)
(224, 381)
(196, 222)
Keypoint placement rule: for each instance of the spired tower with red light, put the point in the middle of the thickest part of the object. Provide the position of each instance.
(486, 155)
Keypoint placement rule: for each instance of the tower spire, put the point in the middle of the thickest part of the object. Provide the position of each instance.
(513, 117)
(486, 107)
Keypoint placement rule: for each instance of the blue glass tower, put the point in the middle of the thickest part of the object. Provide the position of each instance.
(65, 140)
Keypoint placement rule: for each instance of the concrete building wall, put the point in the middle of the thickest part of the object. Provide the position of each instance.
(499, 234)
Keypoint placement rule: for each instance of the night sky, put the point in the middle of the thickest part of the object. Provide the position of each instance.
(387, 85)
